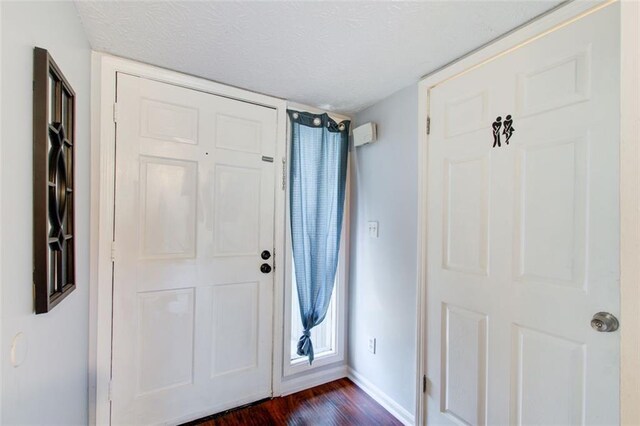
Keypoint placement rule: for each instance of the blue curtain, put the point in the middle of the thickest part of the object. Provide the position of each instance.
(318, 174)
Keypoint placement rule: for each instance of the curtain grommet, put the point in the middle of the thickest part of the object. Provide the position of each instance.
(317, 121)
(295, 115)
(341, 127)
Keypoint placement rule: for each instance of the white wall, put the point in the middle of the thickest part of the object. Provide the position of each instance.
(50, 387)
(382, 286)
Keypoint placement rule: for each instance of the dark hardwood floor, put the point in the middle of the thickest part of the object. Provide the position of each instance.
(335, 403)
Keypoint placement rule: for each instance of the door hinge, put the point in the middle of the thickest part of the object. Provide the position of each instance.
(274, 259)
(284, 173)
(113, 251)
(428, 125)
(115, 112)
(424, 383)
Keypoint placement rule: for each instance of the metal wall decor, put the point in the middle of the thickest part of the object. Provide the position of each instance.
(53, 183)
(496, 131)
(507, 130)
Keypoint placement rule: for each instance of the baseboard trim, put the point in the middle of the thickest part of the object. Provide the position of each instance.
(312, 379)
(382, 398)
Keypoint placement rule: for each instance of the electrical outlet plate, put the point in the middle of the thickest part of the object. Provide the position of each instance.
(373, 229)
(372, 345)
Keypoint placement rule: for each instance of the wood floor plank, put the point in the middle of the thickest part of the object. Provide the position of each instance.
(336, 403)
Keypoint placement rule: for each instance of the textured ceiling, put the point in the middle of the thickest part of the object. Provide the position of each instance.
(340, 56)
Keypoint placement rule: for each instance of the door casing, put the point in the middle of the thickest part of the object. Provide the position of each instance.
(629, 184)
(103, 134)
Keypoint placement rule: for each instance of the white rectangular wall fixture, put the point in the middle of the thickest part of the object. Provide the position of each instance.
(364, 134)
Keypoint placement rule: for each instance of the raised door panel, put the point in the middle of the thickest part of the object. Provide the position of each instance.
(551, 209)
(167, 121)
(243, 128)
(237, 210)
(238, 133)
(466, 213)
(168, 208)
(464, 369)
(466, 114)
(165, 337)
(548, 379)
(555, 83)
(235, 313)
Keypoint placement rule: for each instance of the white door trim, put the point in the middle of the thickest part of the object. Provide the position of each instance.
(1, 158)
(630, 183)
(103, 98)
(630, 214)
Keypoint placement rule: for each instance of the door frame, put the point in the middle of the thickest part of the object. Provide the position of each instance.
(556, 18)
(104, 68)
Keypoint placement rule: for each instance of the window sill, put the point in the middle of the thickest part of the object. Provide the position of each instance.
(301, 365)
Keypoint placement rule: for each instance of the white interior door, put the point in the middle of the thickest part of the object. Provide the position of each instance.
(194, 209)
(523, 239)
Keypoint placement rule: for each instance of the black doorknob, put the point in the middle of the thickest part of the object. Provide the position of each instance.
(265, 268)
(265, 254)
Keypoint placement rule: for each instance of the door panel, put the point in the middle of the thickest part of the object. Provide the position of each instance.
(464, 381)
(551, 183)
(235, 328)
(192, 328)
(466, 217)
(237, 210)
(555, 82)
(165, 121)
(548, 385)
(523, 244)
(466, 114)
(165, 339)
(168, 233)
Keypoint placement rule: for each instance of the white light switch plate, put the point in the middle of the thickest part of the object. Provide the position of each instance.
(373, 229)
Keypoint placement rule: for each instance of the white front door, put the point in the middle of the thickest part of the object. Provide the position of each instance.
(194, 210)
(523, 239)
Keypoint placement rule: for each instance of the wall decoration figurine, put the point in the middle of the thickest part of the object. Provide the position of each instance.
(496, 131)
(53, 183)
(508, 129)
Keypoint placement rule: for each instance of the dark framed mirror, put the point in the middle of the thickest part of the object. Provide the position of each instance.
(53, 183)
